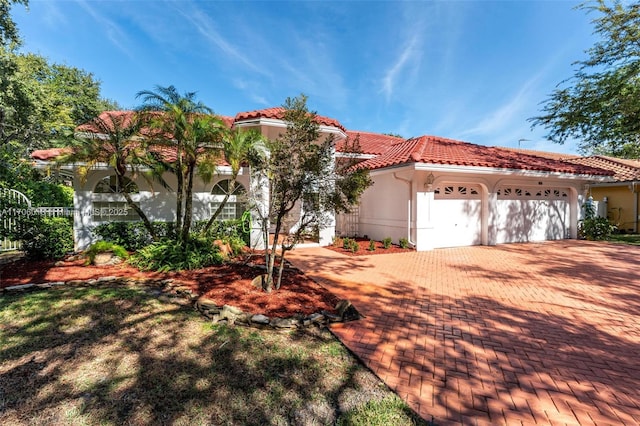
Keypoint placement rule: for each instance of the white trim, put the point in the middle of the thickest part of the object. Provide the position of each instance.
(513, 172)
(275, 122)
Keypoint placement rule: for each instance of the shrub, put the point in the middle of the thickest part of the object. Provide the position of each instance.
(404, 243)
(346, 243)
(386, 243)
(166, 255)
(105, 247)
(593, 227)
(236, 233)
(131, 235)
(45, 237)
(596, 228)
(354, 246)
(372, 245)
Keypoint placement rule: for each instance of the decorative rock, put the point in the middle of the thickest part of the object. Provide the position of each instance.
(59, 263)
(106, 279)
(342, 306)
(260, 319)
(19, 287)
(56, 283)
(331, 317)
(92, 282)
(316, 318)
(230, 313)
(259, 281)
(203, 303)
(76, 282)
(284, 322)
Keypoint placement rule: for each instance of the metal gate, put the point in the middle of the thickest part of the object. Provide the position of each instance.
(12, 204)
(347, 223)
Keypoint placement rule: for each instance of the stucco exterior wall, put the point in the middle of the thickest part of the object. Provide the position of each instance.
(384, 208)
(623, 205)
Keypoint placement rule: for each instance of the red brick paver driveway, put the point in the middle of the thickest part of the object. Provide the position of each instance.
(515, 334)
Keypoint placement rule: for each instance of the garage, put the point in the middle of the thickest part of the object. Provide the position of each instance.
(457, 215)
(532, 214)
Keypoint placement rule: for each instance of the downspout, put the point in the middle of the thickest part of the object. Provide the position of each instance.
(407, 181)
(635, 189)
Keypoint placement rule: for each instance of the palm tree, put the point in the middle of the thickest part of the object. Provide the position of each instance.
(188, 129)
(113, 138)
(239, 147)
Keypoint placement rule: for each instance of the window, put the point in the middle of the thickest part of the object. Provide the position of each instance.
(108, 203)
(236, 204)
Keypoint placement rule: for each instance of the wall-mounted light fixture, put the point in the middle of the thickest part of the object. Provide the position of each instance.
(429, 182)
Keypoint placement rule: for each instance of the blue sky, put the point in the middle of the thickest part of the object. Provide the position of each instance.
(467, 70)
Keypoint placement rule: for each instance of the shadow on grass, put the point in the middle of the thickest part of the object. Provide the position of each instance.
(118, 355)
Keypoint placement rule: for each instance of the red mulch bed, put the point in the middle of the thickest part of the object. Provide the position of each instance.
(364, 248)
(225, 284)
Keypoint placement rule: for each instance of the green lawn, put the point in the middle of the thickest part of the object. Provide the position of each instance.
(633, 239)
(111, 356)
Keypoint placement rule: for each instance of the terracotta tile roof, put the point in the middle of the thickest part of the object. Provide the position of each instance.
(545, 154)
(370, 143)
(437, 150)
(624, 170)
(277, 113)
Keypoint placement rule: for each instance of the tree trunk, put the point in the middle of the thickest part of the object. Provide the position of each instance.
(188, 205)
(179, 191)
(272, 257)
(145, 220)
(280, 269)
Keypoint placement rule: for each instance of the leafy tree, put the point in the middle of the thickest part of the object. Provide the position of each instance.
(600, 104)
(188, 128)
(113, 138)
(239, 147)
(8, 29)
(306, 184)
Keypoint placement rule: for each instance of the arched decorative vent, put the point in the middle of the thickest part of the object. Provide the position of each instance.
(531, 193)
(457, 192)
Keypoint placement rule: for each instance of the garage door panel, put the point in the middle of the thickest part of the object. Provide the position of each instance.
(538, 214)
(456, 216)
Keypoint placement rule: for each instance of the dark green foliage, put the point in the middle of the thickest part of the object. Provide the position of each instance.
(8, 29)
(599, 105)
(133, 236)
(45, 237)
(372, 245)
(346, 243)
(386, 243)
(105, 247)
(404, 243)
(593, 227)
(167, 255)
(236, 233)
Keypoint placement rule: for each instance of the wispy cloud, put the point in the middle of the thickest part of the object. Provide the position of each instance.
(503, 116)
(407, 55)
(114, 33)
(252, 90)
(207, 28)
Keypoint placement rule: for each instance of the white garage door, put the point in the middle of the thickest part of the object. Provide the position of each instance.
(532, 214)
(456, 215)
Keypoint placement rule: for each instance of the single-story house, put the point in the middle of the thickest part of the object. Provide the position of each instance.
(432, 191)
